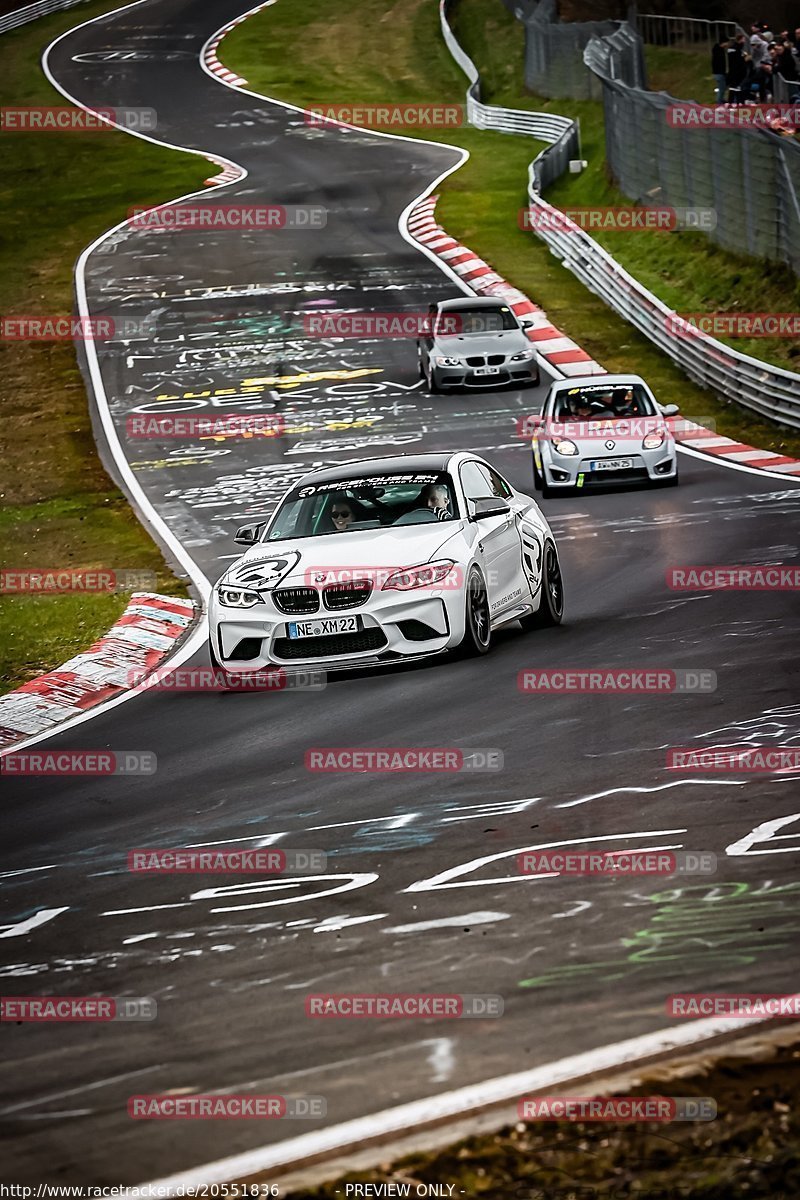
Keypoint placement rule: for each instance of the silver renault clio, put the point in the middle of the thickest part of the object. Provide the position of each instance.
(475, 342)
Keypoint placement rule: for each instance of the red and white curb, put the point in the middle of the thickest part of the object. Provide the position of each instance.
(551, 344)
(697, 437)
(560, 351)
(229, 172)
(148, 630)
(210, 52)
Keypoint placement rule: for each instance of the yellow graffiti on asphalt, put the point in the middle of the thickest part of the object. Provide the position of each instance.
(259, 383)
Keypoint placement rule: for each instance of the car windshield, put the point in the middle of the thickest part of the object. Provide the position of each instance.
(610, 402)
(477, 320)
(348, 505)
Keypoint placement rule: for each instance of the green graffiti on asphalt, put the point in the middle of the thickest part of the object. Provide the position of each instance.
(724, 925)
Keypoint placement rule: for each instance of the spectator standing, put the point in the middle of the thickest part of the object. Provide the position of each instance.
(719, 68)
(758, 44)
(737, 68)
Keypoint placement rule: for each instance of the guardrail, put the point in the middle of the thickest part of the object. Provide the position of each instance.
(771, 391)
(562, 133)
(21, 16)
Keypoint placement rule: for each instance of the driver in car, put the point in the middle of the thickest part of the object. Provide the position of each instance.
(435, 497)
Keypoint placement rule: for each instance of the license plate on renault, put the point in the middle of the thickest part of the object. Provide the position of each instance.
(611, 464)
(323, 627)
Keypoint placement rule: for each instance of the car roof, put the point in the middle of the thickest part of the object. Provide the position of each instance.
(400, 463)
(578, 381)
(474, 302)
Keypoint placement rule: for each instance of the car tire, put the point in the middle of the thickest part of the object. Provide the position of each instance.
(538, 482)
(673, 482)
(551, 605)
(477, 624)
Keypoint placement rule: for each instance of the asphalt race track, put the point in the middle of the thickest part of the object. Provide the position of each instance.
(580, 962)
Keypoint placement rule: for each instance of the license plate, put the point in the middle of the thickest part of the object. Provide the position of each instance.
(611, 464)
(487, 370)
(304, 629)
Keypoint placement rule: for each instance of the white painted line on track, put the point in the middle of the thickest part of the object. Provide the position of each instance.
(419, 1114)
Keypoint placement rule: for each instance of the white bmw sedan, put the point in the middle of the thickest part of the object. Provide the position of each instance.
(382, 560)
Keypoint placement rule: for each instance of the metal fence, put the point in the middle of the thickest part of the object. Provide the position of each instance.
(22, 16)
(749, 177)
(785, 91)
(562, 132)
(767, 390)
(657, 29)
(554, 64)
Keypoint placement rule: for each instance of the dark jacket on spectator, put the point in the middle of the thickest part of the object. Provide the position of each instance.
(719, 61)
(736, 66)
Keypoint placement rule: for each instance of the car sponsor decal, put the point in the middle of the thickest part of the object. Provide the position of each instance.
(263, 573)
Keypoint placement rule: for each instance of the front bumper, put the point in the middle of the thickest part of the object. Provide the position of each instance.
(392, 625)
(520, 373)
(570, 471)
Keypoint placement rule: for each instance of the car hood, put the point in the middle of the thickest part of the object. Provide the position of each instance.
(627, 435)
(510, 341)
(297, 563)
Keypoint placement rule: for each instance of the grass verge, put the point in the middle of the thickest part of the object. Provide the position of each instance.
(59, 191)
(304, 54)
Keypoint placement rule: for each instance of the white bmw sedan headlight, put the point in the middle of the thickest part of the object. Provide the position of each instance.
(234, 597)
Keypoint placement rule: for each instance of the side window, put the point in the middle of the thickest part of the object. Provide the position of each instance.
(475, 481)
(498, 484)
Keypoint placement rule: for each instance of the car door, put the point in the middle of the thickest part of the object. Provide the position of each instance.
(497, 539)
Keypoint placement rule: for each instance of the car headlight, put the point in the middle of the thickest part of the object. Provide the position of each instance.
(424, 575)
(233, 597)
(654, 439)
(523, 356)
(448, 362)
(565, 446)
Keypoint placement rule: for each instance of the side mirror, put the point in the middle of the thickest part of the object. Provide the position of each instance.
(490, 506)
(525, 323)
(668, 410)
(248, 535)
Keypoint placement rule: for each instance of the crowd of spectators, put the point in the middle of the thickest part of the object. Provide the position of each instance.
(745, 68)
